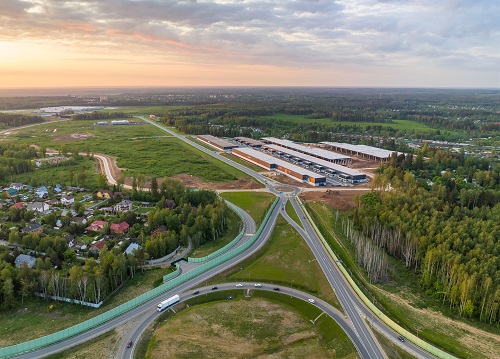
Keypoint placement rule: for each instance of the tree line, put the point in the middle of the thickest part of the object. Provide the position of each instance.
(445, 228)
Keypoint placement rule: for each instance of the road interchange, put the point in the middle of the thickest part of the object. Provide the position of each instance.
(364, 340)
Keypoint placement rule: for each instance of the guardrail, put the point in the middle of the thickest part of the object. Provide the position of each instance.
(131, 304)
(388, 321)
(223, 249)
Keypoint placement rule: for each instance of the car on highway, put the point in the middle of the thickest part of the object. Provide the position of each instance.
(214, 288)
(401, 338)
(257, 285)
(276, 289)
(196, 292)
(129, 344)
(311, 300)
(239, 285)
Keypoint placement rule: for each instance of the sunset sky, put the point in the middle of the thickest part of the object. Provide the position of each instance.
(407, 43)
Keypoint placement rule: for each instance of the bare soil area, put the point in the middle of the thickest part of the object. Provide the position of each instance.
(339, 199)
(73, 137)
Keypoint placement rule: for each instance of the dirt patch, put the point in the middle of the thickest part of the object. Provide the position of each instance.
(339, 199)
(195, 182)
(73, 137)
(295, 337)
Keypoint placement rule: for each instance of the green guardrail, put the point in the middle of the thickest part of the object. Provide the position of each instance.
(226, 247)
(131, 304)
(172, 275)
(388, 321)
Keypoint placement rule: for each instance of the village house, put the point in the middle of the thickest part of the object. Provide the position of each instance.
(104, 193)
(17, 186)
(18, 205)
(33, 228)
(158, 231)
(10, 192)
(42, 192)
(119, 228)
(23, 258)
(67, 200)
(98, 246)
(132, 247)
(96, 226)
(38, 207)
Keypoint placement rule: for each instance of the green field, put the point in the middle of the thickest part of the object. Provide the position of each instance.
(36, 317)
(254, 203)
(403, 301)
(287, 260)
(140, 149)
(401, 125)
(291, 212)
(267, 324)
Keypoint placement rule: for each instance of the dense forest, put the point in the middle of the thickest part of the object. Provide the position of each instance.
(16, 120)
(439, 212)
(96, 116)
(199, 216)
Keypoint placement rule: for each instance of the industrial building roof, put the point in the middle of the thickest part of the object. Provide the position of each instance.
(367, 150)
(217, 141)
(315, 152)
(249, 141)
(272, 160)
(318, 161)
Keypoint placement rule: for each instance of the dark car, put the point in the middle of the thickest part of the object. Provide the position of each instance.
(196, 292)
(401, 338)
(276, 289)
(129, 344)
(214, 288)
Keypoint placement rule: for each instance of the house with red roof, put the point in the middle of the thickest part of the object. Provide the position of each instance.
(18, 205)
(119, 228)
(97, 226)
(98, 246)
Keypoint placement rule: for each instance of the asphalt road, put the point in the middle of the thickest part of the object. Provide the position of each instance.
(328, 309)
(144, 308)
(368, 346)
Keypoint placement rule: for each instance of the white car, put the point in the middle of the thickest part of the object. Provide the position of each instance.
(257, 285)
(311, 300)
(239, 285)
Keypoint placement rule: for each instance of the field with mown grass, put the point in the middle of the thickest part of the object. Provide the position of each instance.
(139, 149)
(255, 204)
(268, 324)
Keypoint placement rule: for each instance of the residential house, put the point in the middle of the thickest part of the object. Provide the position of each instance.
(70, 240)
(132, 247)
(67, 200)
(52, 202)
(119, 228)
(78, 220)
(23, 258)
(58, 189)
(117, 195)
(38, 207)
(169, 203)
(158, 231)
(17, 186)
(34, 227)
(18, 205)
(98, 246)
(42, 192)
(123, 206)
(10, 192)
(96, 226)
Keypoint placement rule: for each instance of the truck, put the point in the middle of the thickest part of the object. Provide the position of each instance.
(168, 302)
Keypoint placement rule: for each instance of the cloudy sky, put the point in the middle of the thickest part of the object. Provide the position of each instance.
(422, 43)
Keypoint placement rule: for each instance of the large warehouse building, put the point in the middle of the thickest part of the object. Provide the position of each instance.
(271, 163)
(368, 152)
(216, 142)
(316, 164)
(250, 142)
(311, 151)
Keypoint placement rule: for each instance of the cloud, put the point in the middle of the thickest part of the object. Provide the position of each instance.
(291, 34)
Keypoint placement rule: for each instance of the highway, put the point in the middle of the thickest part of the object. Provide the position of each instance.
(328, 309)
(365, 342)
